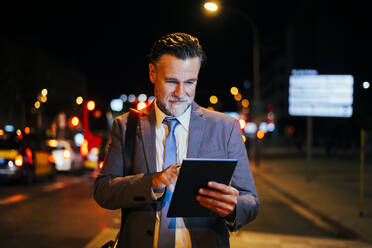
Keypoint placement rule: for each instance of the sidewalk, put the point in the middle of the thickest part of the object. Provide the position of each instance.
(333, 191)
(256, 240)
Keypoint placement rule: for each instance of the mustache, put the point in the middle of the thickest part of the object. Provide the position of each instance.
(178, 100)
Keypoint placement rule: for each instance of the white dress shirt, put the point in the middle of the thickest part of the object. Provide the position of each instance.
(182, 239)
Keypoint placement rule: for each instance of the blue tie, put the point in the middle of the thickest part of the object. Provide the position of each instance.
(168, 225)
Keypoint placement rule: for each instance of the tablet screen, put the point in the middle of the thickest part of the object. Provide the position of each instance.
(195, 173)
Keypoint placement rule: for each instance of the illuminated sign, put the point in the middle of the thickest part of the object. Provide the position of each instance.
(321, 95)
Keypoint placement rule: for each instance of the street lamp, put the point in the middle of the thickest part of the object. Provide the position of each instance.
(212, 7)
(79, 100)
(44, 92)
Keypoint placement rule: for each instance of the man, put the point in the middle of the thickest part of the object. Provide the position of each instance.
(175, 61)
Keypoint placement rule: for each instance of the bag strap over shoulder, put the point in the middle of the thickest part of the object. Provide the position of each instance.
(130, 137)
(128, 148)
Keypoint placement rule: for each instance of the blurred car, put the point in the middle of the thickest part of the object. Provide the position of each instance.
(91, 159)
(24, 158)
(64, 155)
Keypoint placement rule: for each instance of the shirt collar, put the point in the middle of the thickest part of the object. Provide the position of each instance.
(184, 119)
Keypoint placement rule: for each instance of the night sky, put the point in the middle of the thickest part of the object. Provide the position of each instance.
(107, 42)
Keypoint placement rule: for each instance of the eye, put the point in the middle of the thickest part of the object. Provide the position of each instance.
(189, 82)
(171, 81)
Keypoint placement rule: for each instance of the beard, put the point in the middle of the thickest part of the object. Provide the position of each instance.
(174, 106)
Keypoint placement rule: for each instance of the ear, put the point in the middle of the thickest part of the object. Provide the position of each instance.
(152, 73)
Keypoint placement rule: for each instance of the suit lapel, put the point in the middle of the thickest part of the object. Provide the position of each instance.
(147, 124)
(195, 132)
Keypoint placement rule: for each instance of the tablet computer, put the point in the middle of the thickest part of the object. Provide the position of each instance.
(195, 173)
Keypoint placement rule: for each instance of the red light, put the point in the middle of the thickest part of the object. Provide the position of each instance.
(270, 108)
(1, 132)
(100, 165)
(97, 114)
(29, 155)
(51, 159)
(20, 136)
(27, 130)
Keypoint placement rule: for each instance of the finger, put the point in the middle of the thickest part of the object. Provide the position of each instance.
(170, 177)
(223, 188)
(165, 179)
(157, 180)
(173, 174)
(231, 199)
(173, 169)
(215, 204)
(220, 211)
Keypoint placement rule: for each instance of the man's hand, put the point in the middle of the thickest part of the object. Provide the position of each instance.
(166, 177)
(219, 198)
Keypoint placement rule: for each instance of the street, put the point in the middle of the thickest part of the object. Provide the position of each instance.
(64, 214)
(52, 214)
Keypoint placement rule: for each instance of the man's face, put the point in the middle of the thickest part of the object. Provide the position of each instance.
(175, 83)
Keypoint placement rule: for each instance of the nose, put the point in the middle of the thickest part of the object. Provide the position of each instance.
(179, 91)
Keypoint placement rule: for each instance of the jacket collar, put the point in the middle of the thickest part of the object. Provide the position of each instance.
(148, 123)
(196, 130)
(147, 126)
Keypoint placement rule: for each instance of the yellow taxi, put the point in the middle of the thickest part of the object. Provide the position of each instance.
(23, 158)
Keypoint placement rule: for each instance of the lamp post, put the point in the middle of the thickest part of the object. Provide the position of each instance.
(213, 7)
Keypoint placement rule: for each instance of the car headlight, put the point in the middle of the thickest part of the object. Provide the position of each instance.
(66, 154)
(10, 164)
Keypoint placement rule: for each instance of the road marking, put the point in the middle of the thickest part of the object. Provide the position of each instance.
(47, 188)
(102, 238)
(243, 239)
(13, 199)
(60, 185)
(54, 186)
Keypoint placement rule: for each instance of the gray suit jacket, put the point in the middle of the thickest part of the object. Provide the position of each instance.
(211, 135)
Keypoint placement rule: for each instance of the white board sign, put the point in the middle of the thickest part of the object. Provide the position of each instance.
(321, 95)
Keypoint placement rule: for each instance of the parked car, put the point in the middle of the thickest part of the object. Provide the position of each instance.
(24, 158)
(66, 158)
